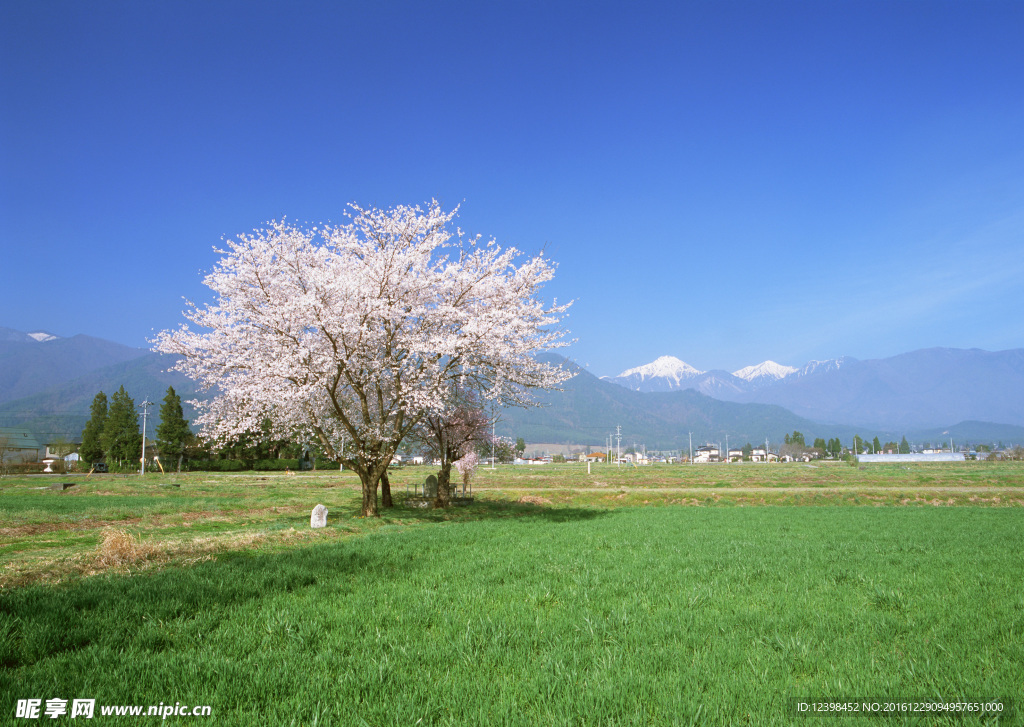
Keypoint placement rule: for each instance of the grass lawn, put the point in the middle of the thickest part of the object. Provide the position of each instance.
(582, 607)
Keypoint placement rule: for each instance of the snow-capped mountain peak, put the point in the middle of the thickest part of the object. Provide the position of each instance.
(42, 336)
(665, 367)
(765, 370)
(832, 364)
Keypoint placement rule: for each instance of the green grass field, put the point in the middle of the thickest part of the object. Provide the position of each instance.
(582, 605)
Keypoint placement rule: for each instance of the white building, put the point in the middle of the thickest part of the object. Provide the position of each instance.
(707, 453)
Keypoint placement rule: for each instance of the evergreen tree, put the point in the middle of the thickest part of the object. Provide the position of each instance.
(904, 446)
(121, 438)
(173, 434)
(876, 446)
(92, 436)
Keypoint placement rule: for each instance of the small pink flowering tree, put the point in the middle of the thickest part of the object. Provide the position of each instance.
(467, 466)
(354, 334)
(450, 437)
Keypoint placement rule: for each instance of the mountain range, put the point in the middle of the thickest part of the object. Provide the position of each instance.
(668, 373)
(33, 362)
(47, 384)
(922, 389)
(588, 409)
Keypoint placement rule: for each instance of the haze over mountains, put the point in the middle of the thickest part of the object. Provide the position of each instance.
(33, 362)
(47, 384)
(928, 388)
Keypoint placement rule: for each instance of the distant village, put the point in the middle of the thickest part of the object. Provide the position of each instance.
(21, 449)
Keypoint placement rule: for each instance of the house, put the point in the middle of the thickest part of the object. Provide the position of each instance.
(759, 455)
(595, 457)
(66, 450)
(707, 453)
(735, 455)
(20, 445)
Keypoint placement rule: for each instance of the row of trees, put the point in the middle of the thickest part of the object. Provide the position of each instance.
(112, 432)
(358, 335)
(795, 445)
(834, 447)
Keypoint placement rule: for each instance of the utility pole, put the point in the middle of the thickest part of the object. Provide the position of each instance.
(691, 447)
(728, 459)
(145, 410)
(492, 443)
(618, 445)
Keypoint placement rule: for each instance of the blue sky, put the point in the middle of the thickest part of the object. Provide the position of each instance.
(725, 182)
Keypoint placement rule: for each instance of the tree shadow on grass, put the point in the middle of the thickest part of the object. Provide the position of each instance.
(37, 622)
(117, 610)
(491, 509)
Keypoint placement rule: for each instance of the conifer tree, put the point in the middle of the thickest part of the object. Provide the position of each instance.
(121, 438)
(904, 446)
(173, 433)
(92, 436)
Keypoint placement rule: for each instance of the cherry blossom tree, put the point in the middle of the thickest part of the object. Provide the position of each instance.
(451, 436)
(467, 467)
(354, 333)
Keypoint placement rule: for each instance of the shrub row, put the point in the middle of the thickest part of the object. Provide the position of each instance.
(240, 465)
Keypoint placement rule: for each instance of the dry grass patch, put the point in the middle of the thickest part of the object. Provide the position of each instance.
(119, 548)
(533, 500)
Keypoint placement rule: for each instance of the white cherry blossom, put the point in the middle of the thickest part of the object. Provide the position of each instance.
(353, 333)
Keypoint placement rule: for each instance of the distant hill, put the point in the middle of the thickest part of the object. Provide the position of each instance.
(925, 389)
(9, 334)
(47, 384)
(64, 409)
(975, 432)
(34, 362)
(588, 410)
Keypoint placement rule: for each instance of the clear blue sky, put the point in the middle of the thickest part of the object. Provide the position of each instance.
(725, 182)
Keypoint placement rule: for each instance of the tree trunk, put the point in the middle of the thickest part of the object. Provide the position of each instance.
(385, 490)
(180, 457)
(369, 494)
(444, 477)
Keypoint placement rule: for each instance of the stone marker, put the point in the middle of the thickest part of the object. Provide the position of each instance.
(319, 517)
(430, 487)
